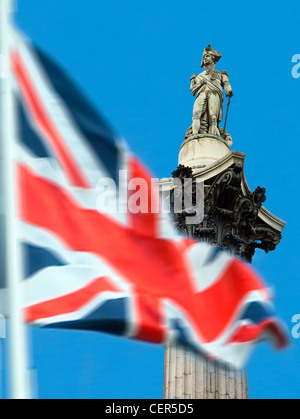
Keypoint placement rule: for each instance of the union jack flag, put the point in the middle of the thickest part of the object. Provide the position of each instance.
(125, 273)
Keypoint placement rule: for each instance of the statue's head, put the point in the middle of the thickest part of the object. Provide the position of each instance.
(210, 56)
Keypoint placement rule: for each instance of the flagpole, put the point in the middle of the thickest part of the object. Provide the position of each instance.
(19, 386)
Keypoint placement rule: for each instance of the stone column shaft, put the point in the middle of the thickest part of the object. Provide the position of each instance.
(190, 376)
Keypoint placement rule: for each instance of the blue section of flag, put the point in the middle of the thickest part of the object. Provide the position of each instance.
(38, 258)
(256, 312)
(110, 317)
(26, 133)
(95, 129)
(181, 336)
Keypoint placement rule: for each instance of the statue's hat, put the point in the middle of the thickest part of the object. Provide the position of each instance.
(216, 54)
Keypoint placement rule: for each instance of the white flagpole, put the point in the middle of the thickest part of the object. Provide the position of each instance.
(18, 347)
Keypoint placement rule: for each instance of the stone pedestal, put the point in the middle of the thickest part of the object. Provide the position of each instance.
(199, 151)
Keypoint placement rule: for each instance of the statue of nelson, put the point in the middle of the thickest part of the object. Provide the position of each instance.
(208, 106)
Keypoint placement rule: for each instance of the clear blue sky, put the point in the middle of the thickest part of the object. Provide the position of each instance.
(134, 60)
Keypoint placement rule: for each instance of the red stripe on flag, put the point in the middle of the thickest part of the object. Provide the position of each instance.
(247, 333)
(148, 310)
(145, 222)
(71, 302)
(46, 125)
(218, 305)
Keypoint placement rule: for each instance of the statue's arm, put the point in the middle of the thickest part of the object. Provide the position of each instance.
(195, 84)
(226, 85)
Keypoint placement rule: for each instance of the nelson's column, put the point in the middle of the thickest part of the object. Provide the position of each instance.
(234, 219)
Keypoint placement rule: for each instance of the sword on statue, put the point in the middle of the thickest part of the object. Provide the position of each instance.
(228, 104)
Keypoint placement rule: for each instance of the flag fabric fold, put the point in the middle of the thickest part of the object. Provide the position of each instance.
(122, 272)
